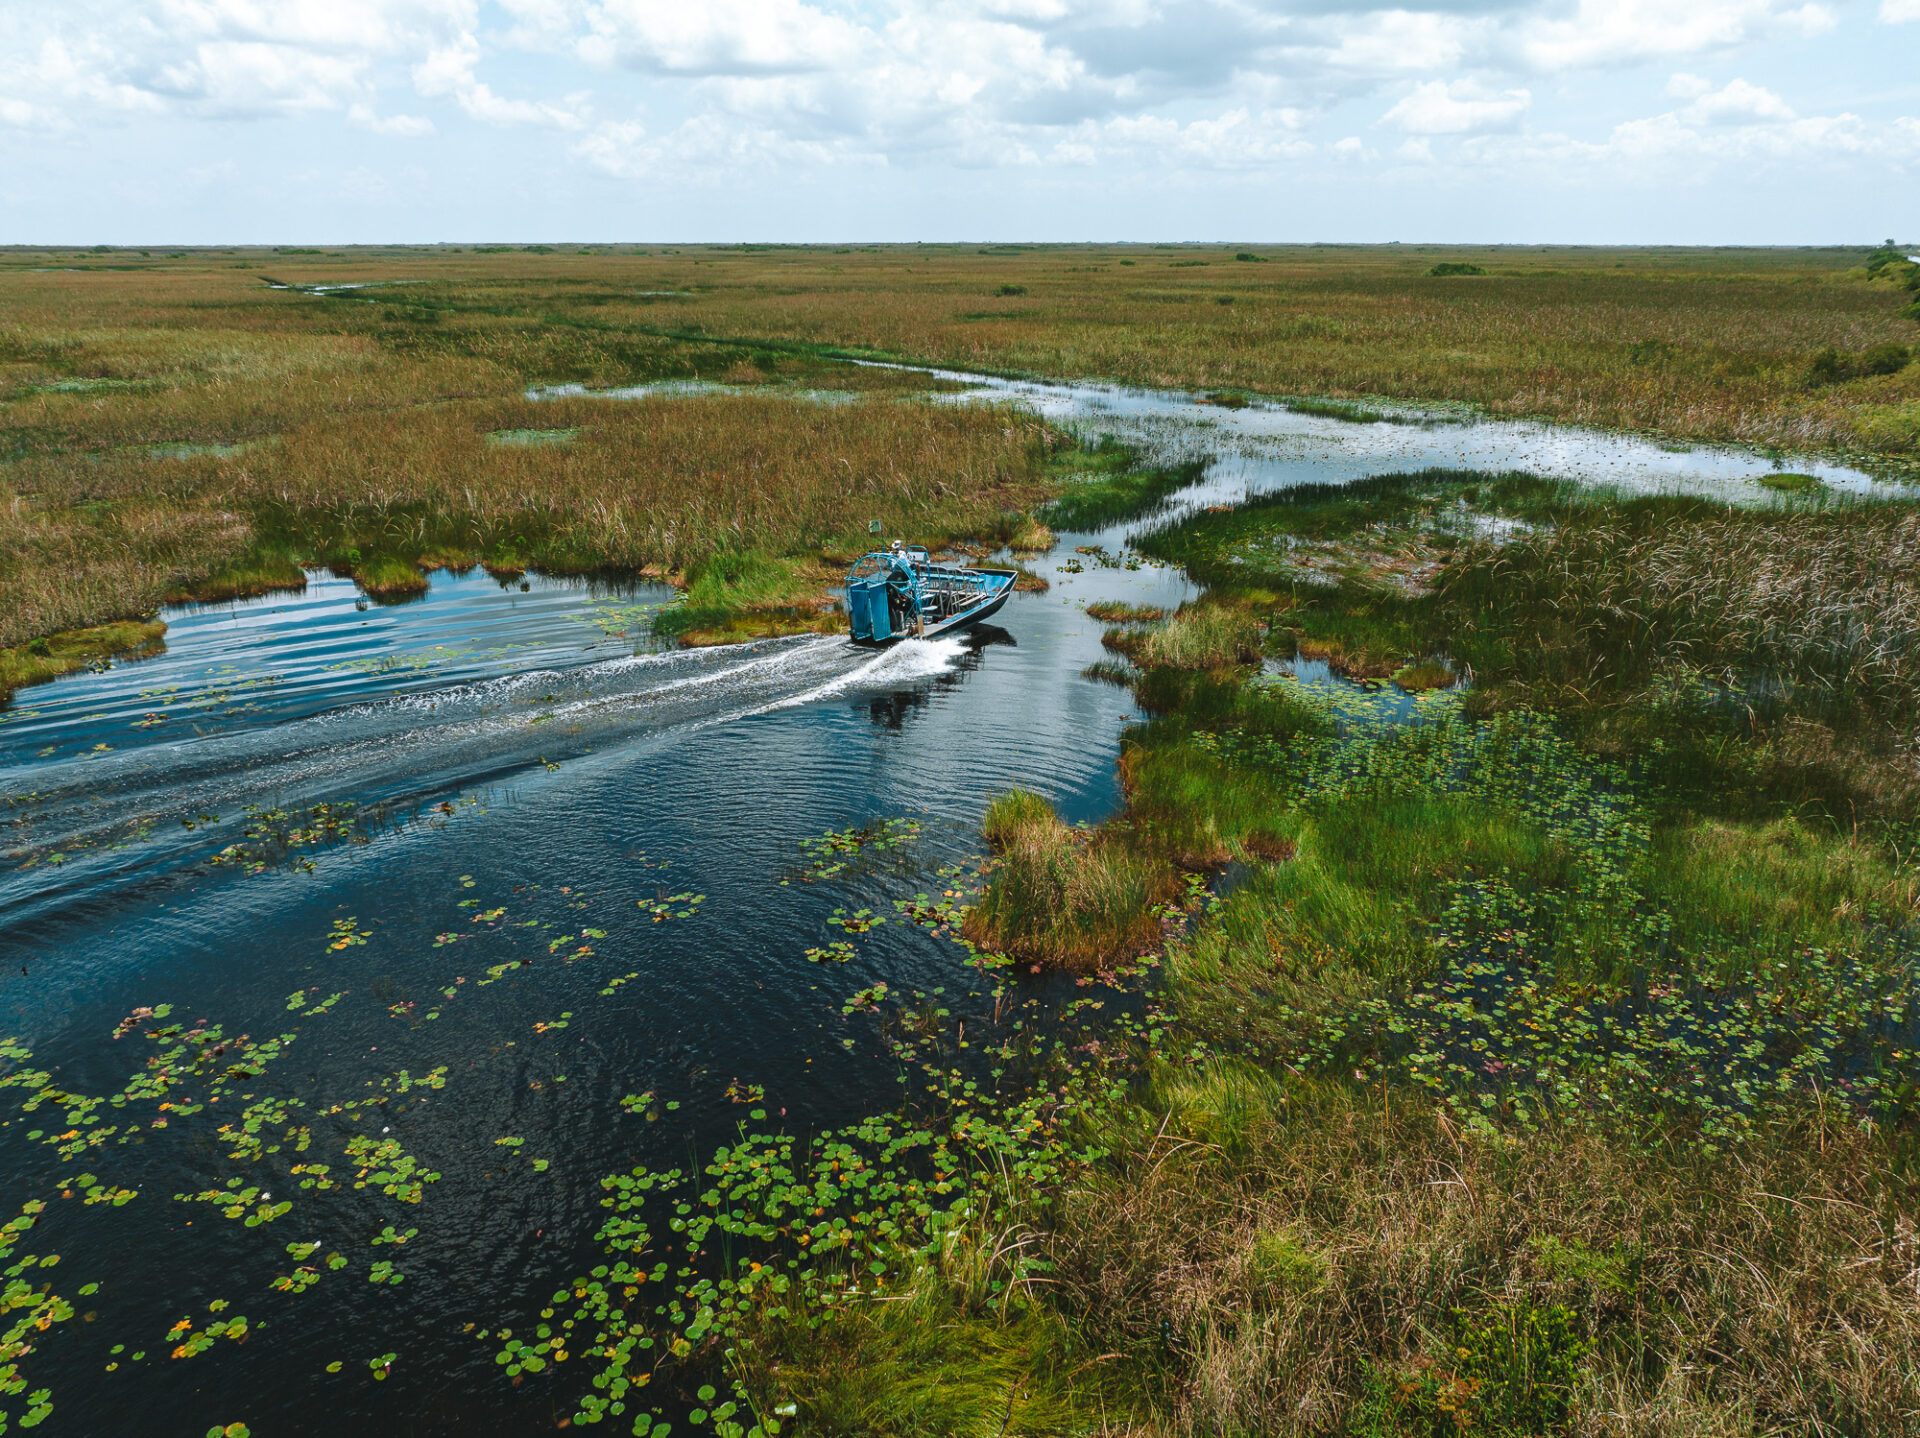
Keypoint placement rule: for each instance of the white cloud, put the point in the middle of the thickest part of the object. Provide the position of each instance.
(448, 72)
(251, 77)
(720, 37)
(1760, 131)
(1462, 107)
(1233, 141)
(360, 26)
(410, 126)
(1738, 103)
(713, 91)
(1604, 32)
(1386, 42)
(22, 115)
(701, 151)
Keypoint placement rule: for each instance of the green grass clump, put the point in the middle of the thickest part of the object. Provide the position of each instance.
(1739, 891)
(1454, 267)
(48, 658)
(926, 1367)
(747, 593)
(1062, 897)
(1114, 611)
(1018, 816)
(266, 571)
(1199, 636)
(1426, 675)
(531, 436)
(390, 579)
(1789, 483)
(1030, 536)
(1339, 409)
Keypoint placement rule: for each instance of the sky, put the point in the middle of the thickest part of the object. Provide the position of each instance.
(1474, 121)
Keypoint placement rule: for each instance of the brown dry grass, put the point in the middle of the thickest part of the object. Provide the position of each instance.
(1770, 1290)
(1827, 602)
(656, 485)
(361, 415)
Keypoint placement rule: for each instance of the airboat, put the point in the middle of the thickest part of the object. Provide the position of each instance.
(900, 593)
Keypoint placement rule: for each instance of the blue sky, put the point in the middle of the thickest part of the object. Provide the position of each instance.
(335, 121)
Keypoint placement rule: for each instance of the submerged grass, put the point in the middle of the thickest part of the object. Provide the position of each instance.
(1115, 611)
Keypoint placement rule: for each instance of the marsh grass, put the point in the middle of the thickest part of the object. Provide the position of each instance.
(1106, 484)
(1351, 413)
(1280, 1250)
(1198, 636)
(926, 1367)
(1297, 1252)
(389, 579)
(1425, 676)
(654, 487)
(1062, 897)
(744, 594)
(1115, 611)
(1812, 613)
(42, 659)
(1030, 536)
(155, 412)
(265, 571)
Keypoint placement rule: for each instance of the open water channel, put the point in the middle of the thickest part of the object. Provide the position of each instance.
(544, 865)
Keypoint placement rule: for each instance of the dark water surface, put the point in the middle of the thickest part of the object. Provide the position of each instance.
(545, 866)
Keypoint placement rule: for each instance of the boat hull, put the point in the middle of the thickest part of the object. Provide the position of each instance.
(970, 617)
(875, 623)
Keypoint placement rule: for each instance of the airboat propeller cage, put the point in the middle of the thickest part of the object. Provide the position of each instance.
(900, 592)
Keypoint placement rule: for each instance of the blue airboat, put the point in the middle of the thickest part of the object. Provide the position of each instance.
(900, 593)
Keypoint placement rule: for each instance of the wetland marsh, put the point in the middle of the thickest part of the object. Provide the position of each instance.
(1405, 925)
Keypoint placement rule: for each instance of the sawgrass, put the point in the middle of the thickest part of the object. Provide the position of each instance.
(1114, 611)
(1204, 635)
(390, 579)
(171, 420)
(1105, 483)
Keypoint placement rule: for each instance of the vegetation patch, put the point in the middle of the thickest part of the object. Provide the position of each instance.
(751, 594)
(266, 571)
(1105, 484)
(389, 579)
(48, 658)
(531, 436)
(1063, 897)
(1787, 482)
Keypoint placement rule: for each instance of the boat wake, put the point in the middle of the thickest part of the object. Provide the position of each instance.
(112, 814)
